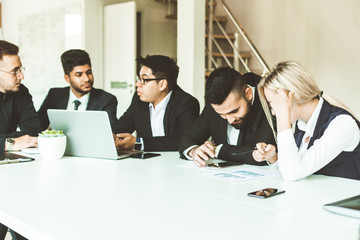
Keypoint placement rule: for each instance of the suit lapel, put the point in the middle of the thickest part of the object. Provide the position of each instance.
(93, 99)
(64, 99)
(169, 107)
(145, 119)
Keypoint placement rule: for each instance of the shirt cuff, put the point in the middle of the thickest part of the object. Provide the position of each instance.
(275, 164)
(186, 151)
(218, 148)
(141, 141)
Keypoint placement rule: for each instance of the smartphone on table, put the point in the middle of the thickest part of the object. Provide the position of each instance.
(266, 193)
(145, 155)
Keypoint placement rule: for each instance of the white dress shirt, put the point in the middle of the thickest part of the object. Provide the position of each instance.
(157, 116)
(342, 134)
(84, 101)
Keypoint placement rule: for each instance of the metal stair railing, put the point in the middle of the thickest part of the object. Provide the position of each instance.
(235, 48)
(220, 49)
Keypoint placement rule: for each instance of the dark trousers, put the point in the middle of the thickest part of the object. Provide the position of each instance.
(3, 231)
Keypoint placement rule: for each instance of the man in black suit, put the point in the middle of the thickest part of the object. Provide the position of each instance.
(81, 95)
(16, 109)
(160, 110)
(16, 105)
(233, 118)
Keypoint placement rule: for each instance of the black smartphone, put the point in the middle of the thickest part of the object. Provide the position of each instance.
(145, 155)
(223, 164)
(266, 193)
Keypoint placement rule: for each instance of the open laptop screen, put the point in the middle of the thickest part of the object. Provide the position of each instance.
(88, 133)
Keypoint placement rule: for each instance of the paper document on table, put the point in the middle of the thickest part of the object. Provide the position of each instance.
(243, 173)
(236, 173)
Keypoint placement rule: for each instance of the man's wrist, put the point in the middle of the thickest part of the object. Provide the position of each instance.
(273, 159)
(191, 152)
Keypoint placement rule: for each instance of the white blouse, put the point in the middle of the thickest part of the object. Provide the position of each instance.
(342, 134)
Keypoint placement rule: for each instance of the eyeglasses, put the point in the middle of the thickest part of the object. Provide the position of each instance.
(15, 73)
(144, 80)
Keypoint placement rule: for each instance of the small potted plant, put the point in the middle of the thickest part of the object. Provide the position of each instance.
(51, 144)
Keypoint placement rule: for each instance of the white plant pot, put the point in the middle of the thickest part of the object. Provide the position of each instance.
(51, 148)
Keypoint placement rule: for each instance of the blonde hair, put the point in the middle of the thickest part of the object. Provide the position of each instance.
(292, 77)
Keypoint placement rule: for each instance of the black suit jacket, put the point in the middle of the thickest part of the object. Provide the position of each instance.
(17, 110)
(57, 98)
(181, 111)
(256, 129)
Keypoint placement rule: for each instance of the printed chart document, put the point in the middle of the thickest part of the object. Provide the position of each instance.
(236, 173)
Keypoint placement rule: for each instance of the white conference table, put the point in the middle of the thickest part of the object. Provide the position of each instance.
(85, 198)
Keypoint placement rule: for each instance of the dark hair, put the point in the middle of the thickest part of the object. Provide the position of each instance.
(221, 82)
(161, 67)
(73, 58)
(7, 48)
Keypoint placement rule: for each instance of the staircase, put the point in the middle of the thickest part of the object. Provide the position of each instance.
(223, 48)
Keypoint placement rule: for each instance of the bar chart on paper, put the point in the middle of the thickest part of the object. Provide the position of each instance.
(239, 174)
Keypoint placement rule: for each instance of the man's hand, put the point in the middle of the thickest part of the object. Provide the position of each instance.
(265, 152)
(201, 154)
(125, 141)
(25, 141)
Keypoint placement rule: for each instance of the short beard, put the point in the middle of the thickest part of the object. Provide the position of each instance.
(244, 119)
(81, 91)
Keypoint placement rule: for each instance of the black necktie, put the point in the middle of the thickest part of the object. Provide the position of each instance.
(77, 103)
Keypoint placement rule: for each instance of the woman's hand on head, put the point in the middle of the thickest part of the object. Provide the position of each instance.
(282, 101)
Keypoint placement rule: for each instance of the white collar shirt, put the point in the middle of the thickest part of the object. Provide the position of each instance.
(342, 134)
(157, 114)
(84, 101)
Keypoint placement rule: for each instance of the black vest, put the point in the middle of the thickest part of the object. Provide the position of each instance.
(346, 164)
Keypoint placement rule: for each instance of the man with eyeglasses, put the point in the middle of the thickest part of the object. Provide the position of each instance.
(160, 110)
(80, 95)
(16, 108)
(235, 120)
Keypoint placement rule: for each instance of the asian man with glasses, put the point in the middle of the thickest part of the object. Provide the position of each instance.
(160, 110)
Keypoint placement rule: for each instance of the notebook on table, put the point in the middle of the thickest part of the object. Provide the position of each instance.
(88, 134)
(349, 207)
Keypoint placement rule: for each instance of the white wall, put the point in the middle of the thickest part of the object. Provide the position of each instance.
(322, 35)
(159, 34)
(12, 11)
(191, 47)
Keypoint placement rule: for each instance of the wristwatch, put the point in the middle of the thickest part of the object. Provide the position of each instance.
(138, 144)
(9, 144)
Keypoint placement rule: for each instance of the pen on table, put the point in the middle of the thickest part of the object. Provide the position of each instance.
(267, 148)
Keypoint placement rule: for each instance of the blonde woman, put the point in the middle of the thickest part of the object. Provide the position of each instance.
(327, 135)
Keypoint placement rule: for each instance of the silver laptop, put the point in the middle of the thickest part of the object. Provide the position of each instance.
(88, 133)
